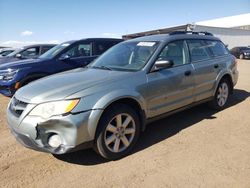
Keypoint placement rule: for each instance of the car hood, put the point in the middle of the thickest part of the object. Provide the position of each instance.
(62, 85)
(8, 59)
(18, 64)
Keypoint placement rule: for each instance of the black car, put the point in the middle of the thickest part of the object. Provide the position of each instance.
(27, 52)
(241, 52)
(66, 56)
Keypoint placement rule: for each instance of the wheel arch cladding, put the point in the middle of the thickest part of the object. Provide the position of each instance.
(131, 102)
(229, 79)
(226, 76)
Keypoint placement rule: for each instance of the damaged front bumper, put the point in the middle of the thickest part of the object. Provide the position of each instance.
(76, 131)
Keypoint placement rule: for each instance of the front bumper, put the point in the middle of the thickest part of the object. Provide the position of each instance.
(7, 90)
(75, 131)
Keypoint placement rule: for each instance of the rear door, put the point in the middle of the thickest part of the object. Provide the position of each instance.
(206, 68)
(171, 88)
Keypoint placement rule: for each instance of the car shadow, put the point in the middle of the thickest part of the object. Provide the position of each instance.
(158, 130)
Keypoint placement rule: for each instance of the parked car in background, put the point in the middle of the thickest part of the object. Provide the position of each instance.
(27, 52)
(242, 52)
(6, 51)
(65, 56)
(108, 104)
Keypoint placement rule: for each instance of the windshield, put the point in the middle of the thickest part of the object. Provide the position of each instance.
(54, 51)
(12, 54)
(128, 56)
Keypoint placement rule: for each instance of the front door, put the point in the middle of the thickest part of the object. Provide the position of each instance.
(79, 55)
(171, 88)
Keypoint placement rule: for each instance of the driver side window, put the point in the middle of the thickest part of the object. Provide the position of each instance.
(175, 52)
(80, 50)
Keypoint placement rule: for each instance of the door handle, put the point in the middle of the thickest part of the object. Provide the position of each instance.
(216, 66)
(187, 73)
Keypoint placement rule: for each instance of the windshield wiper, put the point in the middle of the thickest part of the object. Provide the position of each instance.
(100, 67)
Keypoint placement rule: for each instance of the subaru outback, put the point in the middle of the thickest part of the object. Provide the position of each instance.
(107, 104)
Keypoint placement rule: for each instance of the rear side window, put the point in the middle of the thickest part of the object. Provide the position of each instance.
(45, 49)
(199, 50)
(217, 48)
(101, 47)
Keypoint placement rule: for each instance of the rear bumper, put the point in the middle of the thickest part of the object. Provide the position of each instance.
(235, 77)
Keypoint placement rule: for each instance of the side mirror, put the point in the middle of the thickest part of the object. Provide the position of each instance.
(64, 57)
(163, 64)
(18, 56)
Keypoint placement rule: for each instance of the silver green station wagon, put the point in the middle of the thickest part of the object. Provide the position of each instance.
(107, 104)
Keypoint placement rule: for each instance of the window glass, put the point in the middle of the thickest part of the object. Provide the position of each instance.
(54, 51)
(30, 52)
(217, 48)
(45, 49)
(198, 50)
(175, 51)
(127, 56)
(101, 47)
(80, 50)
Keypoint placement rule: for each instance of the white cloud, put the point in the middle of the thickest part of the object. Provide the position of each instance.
(15, 43)
(26, 33)
(109, 35)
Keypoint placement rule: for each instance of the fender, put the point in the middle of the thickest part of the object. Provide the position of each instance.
(107, 100)
(113, 96)
(219, 77)
(32, 77)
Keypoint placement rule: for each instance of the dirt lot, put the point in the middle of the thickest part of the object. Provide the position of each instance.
(194, 148)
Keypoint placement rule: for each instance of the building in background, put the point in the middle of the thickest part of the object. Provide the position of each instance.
(233, 30)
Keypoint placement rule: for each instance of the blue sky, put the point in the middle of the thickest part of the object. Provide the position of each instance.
(26, 21)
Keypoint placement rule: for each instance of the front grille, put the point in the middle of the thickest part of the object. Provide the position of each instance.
(17, 107)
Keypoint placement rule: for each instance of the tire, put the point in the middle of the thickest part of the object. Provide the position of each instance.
(115, 140)
(241, 56)
(221, 96)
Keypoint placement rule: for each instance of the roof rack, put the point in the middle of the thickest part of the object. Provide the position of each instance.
(191, 32)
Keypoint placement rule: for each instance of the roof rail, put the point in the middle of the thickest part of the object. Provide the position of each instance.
(191, 32)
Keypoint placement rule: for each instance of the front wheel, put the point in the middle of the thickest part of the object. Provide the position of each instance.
(221, 96)
(118, 131)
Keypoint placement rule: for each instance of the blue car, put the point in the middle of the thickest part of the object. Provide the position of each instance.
(66, 56)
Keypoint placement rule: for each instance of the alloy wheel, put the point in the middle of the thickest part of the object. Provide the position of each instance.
(222, 95)
(120, 133)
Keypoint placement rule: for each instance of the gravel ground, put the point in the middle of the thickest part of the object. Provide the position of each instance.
(194, 148)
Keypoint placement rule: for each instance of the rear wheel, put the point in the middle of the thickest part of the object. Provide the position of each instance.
(221, 96)
(118, 131)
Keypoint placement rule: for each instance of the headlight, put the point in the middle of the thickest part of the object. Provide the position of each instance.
(8, 74)
(49, 109)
